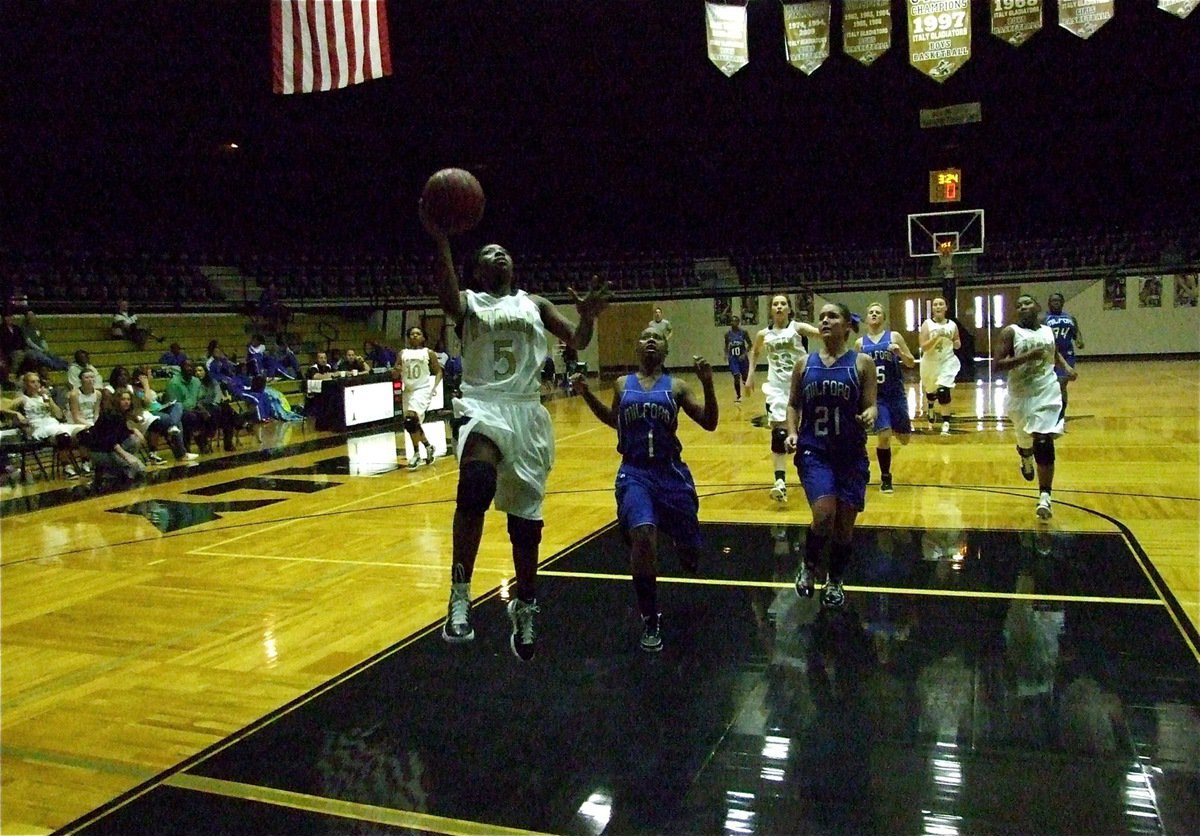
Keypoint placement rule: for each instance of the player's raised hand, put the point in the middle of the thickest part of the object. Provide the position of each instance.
(594, 301)
(703, 369)
(578, 383)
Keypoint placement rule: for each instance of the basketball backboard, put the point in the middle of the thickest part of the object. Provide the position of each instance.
(964, 228)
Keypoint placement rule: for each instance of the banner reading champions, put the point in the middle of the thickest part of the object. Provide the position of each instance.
(1083, 18)
(806, 34)
(1015, 20)
(866, 29)
(727, 46)
(939, 36)
(1179, 8)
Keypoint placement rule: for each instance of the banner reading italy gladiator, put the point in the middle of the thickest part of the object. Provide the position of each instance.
(1015, 20)
(866, 29)
(806, 34)
(1083, 18)
(939, 36)
(727, 46)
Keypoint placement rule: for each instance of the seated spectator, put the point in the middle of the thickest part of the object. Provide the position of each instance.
(184, 389)
(271, 402)
(81, 364)
(143, 423)
(125, 326)
(216, 401)
(256, 356)
(282, 361)
(217, 364)
(380, 356)
(352, 363)
(36, 346)
(176, 356)
(12, 341)
(321, 369)
(85, 400)
(167, 414)
(45, 419)
(114, 446)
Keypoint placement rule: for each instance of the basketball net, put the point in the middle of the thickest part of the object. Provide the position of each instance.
(946, 257)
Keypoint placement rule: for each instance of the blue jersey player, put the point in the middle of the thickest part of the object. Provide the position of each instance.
(832, 403)
(737, 351)
(1067, 337)
(654, 487)
(889, 351)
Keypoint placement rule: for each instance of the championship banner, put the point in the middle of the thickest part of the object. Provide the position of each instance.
(727, 46)
(1179, 8)
(1083, 18)
(939, 36)
(866, 29)
(1015, 20)
(806, 34)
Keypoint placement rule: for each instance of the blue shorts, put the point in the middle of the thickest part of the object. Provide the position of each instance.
(892, 414)
(739, 366)
(1059, 373)
(845, 480)
(663, 496)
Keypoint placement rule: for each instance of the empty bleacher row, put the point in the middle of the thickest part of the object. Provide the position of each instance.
(81, 280)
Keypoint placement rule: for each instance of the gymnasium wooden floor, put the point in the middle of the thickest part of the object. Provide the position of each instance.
(252, 647)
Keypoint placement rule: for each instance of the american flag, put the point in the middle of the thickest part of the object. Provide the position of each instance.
(327, 44)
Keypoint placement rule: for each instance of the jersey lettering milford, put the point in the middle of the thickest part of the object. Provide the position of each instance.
(827, 389)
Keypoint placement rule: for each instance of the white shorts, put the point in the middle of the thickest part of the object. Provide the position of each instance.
(1035, 415)
(53, 429)
(935, 375)
(523, 432)
(417, 400)
(777, 402)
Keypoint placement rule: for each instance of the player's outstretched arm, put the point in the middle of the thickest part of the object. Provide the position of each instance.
(1061, 362)
(755, 349)
(807, 329)
(901, 347)
(445, 276)
(589, 307)
(706, 414)
(606, 414)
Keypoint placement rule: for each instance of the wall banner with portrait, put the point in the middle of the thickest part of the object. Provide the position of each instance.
(1186, 290)
(1114, 293)
(722, 310)
(1150, 292)
(749, 310)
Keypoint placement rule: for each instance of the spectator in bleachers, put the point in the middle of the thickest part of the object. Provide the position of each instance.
(176, 356)
(256, 356)
(167, 413)
(380, 356)
(144, 423)
(114, 445)
(217, 364)
(283, 360)
(46, 419)
(352, 363)
(125, 326)
(81, 364)
(215, 401)
(85, 400)
(184, 388)
(12, 341)
(37, 347)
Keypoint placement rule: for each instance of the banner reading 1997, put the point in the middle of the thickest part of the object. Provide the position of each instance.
(1015, 20)
(939, 36)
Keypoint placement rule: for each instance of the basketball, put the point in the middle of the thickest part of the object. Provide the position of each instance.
(453, 200)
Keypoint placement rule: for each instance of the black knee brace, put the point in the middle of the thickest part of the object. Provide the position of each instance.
(412, 424)
(523, 532)
(1043, 449)
(778, 441)
(476, 486)
(943, 395)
